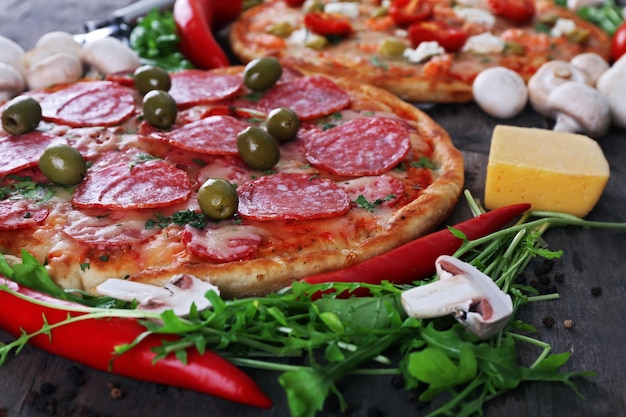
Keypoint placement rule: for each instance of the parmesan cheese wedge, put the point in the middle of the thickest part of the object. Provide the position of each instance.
(553, 171)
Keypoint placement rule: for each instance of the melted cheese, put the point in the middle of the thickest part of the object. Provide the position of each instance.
(551, 170)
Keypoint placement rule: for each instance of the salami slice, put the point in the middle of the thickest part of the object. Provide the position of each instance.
(309, 97)
(381, 190)
(223, 244)
(359, 147)
(89, 103)
(214, 135)
(192, 87)
(124, 181)
(105, 229)
(19, 152)
(286, 196)
(22, 214)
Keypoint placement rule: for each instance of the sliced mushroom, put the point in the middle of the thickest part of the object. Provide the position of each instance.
(612, 85)
(178, 294)
(12, 54)
(580, 108)
(110, 56)
(500, 92)
(11, 82)
(50, 44)
(56, 69)
(593, 64)
(464, 292)
(548, 77)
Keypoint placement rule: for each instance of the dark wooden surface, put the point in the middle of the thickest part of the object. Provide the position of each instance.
(592, 258)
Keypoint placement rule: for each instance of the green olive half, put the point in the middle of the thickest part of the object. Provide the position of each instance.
(159, 109)
(257, 148)
(218, 199)
(148, 78)
(283, 124)
(62, 164)
(21, 115)
(262, 73)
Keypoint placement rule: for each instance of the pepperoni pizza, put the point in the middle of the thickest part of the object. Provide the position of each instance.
(421, 50)
(365, 173)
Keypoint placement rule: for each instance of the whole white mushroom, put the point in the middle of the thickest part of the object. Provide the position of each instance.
(612, 85)
(12, 54)
(109, 56)
(547, 78)
(580, 108)
(50, 44)
(56, 69)
(593, 64)
(500, 92)
(11, 82)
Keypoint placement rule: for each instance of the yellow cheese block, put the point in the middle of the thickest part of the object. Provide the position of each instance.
(553, 171)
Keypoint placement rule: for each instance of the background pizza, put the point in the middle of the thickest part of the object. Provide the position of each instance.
(358, 40)
(365, 173)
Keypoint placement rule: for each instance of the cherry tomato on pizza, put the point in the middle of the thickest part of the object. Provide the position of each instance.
(515, 10)
(407, 12)
(327, 24)
(618, 42)
(449, 37)
(294, 3)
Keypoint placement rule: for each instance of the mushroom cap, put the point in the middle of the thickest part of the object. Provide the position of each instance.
(12, 54)
(56, 69)
(50, 44)
(547, 78)
(580, 108)
(500, 92)
(11, 82)
(612, 85)
(593, 64)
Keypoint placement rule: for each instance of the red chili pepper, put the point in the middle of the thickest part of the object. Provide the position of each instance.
(407, 12)
(416, 259)
(517, 10)
(91, 342)
(449, 37)
(196, 20)
(326, 24)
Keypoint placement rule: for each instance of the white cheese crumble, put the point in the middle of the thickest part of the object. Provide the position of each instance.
(349, 10)
(562, 27)
(424, 51)
(473, 15)
(485, 43)
(298, 37)
(401, 33)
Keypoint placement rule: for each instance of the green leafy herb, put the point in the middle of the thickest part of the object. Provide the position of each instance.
(26, 188)
(362, 202)
(179, 218)
(156, 41)
(423, 162)
(141, 158)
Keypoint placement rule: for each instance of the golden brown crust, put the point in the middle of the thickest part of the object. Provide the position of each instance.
(445, 79)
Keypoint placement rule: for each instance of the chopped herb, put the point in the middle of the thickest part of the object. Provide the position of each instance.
(423, 162)
(141, 158)
(104, 258)
(85, 266)
(179, 218)
(378, 63)
(25, 187)
(362, 202)
(254, 97)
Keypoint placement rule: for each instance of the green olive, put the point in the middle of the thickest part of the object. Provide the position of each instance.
(391, 47)
(280, 29)
(258, 148)
(21, 115)
(218, 199)
(262, 73)
(283, 124)
(312, 6)
(159, 109)
(148, 78)
(316, 42)
(62, 164)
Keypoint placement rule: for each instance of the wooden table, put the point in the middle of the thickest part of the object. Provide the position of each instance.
(592, 258)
